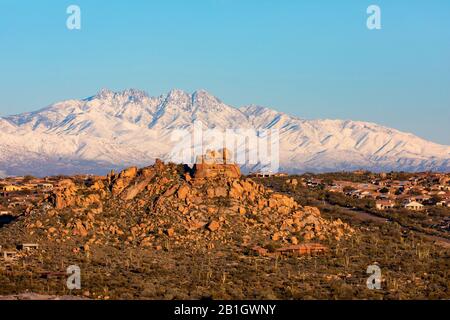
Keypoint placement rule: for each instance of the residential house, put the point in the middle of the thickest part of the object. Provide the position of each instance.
(46, 186)
(414, 206)
(443, 203)
(267, 174)
(422, 198)
(11, 188)
(384, 204)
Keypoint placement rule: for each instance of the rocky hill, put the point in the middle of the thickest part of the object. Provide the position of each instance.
(150, 206)
(165, 232)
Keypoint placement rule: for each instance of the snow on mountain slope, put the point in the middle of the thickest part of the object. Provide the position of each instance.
(113, 130)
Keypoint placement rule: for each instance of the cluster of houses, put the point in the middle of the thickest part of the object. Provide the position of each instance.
(419, 191)
(10, 255)
(26, 187)
(16, 193)
(267, 174)
(391, 204)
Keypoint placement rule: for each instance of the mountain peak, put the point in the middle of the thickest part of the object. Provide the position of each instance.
(134, 94)
(104, 93)
(203, 94)
(178, 98)
(129, 94)
(206, 101)
(176, 93)
(200, 99)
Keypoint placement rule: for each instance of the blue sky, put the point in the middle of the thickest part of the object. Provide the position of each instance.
(312, 59)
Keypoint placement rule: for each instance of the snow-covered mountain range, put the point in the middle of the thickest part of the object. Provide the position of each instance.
(118, 129)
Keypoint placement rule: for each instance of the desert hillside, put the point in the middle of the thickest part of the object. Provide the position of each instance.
(168, 231)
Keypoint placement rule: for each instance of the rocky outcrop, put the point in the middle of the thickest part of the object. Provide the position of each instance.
(121, 181)
(147, 207)
(64, 194)
(216, 164)
(133, 190)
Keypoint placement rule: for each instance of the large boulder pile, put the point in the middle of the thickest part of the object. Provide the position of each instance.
(156, 206)
(65, 194)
